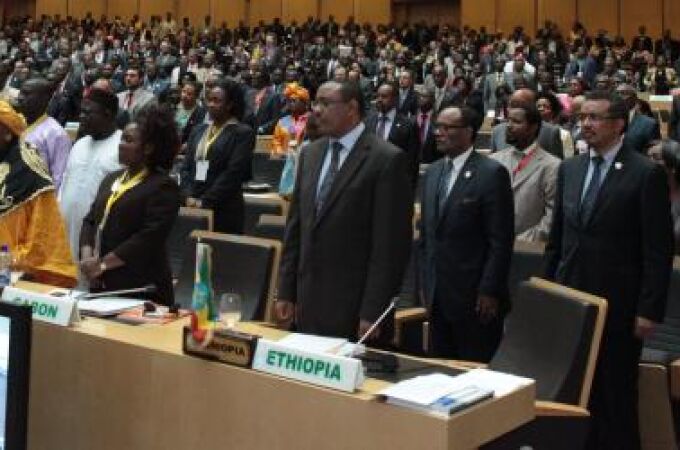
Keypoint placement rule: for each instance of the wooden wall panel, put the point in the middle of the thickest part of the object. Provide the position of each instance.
(79, 8)
(600, 14)
(478, 13)
(148, 8)
(637, 12)
(672, 17)
(561, 12)
(264, 10)
(441, 12)
(122, 8)
(341, 9)
(298, 10)
(512, 13)
(230, 11)
(373, 11)
(195, 10)
(50, 7)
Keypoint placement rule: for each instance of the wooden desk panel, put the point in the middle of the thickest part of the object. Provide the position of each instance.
(110, 386)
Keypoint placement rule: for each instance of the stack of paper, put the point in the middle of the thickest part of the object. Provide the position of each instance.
(443, 394)
(107, 306)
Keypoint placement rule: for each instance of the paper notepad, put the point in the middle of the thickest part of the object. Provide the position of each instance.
(107, 306)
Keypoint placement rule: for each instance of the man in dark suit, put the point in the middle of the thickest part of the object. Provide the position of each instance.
(467, 234)
(408, 98)
(348, 233)
(612, 237)
(425, 119)
(642, 130)
(674, 123)
(549, 138)
(394, 127)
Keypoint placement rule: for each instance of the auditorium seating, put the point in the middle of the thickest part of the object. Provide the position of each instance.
(188, 220)
(243, 265)
(258, 204)
(270, 226)
(553, 336)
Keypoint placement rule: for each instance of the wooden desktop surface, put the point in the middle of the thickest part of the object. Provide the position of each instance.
(105, 385)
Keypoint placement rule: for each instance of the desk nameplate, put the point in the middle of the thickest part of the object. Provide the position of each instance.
(226, 346)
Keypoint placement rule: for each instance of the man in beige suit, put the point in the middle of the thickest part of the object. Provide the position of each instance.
(533, 172)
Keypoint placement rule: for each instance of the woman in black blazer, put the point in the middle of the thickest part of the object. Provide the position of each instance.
(123, 237)
(218, 158)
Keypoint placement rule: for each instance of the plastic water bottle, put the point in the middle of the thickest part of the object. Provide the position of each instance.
(5, 266)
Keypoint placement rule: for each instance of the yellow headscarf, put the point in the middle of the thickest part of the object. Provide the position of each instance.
(296, 92)
(14, 121)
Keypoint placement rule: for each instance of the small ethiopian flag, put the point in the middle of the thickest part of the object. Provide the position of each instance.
(204, 313)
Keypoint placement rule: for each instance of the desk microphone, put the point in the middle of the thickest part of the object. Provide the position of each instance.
(148, 289)
(390, 307)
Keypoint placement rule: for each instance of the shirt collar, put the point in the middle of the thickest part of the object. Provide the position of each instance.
(527, 150)
(610, 154)
(459, 161)
(351, 138)
(390, 114)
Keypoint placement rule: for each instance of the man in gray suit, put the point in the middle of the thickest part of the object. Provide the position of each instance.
(549, 138)
(533, 173)
(491, 82)
(348, 234)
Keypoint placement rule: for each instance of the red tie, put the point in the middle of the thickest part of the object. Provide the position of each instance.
(129, 100)
(524, 162)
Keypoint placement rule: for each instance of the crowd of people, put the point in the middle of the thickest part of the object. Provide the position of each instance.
(168, 115)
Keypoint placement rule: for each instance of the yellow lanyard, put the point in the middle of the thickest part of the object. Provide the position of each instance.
(120, 187)
(213, 134)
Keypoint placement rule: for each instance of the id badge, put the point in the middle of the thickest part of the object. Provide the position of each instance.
(202, 166)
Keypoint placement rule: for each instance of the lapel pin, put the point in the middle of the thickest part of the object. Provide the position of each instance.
(468, 174)
(618, 165)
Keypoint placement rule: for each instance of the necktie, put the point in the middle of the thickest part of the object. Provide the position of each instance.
(588, 202)
(442, 191)
(330, 176)
(423, 127)
(128, 103)
(380, 130)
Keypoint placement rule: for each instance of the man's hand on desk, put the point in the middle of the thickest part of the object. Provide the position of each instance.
(364, 326)
(91, 268)
(284, 313)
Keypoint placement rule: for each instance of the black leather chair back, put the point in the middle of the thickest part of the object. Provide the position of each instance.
(548, 338)
(239, 267)
(179, 235)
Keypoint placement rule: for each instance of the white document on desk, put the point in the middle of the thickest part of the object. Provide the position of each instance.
(499, 382)
(107, 306)
(426, 389)
(422, 390)
(312, 343)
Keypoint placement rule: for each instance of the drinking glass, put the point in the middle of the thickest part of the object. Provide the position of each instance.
(230, 309)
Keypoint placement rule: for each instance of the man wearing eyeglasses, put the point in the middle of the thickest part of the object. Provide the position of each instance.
(612, 237)
(466, 239)
(349, 231)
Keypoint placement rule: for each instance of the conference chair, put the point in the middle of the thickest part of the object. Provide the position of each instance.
(659, 371)
(411, 326)
(552, 335)
(243, 265)
(270, 226)
(258, 204)
(188, 220)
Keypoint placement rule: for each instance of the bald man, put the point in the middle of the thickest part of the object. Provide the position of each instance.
(548, 138)
(44, 132)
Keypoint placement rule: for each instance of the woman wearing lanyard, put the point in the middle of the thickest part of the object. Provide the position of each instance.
(123, 237)
(218, 158)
